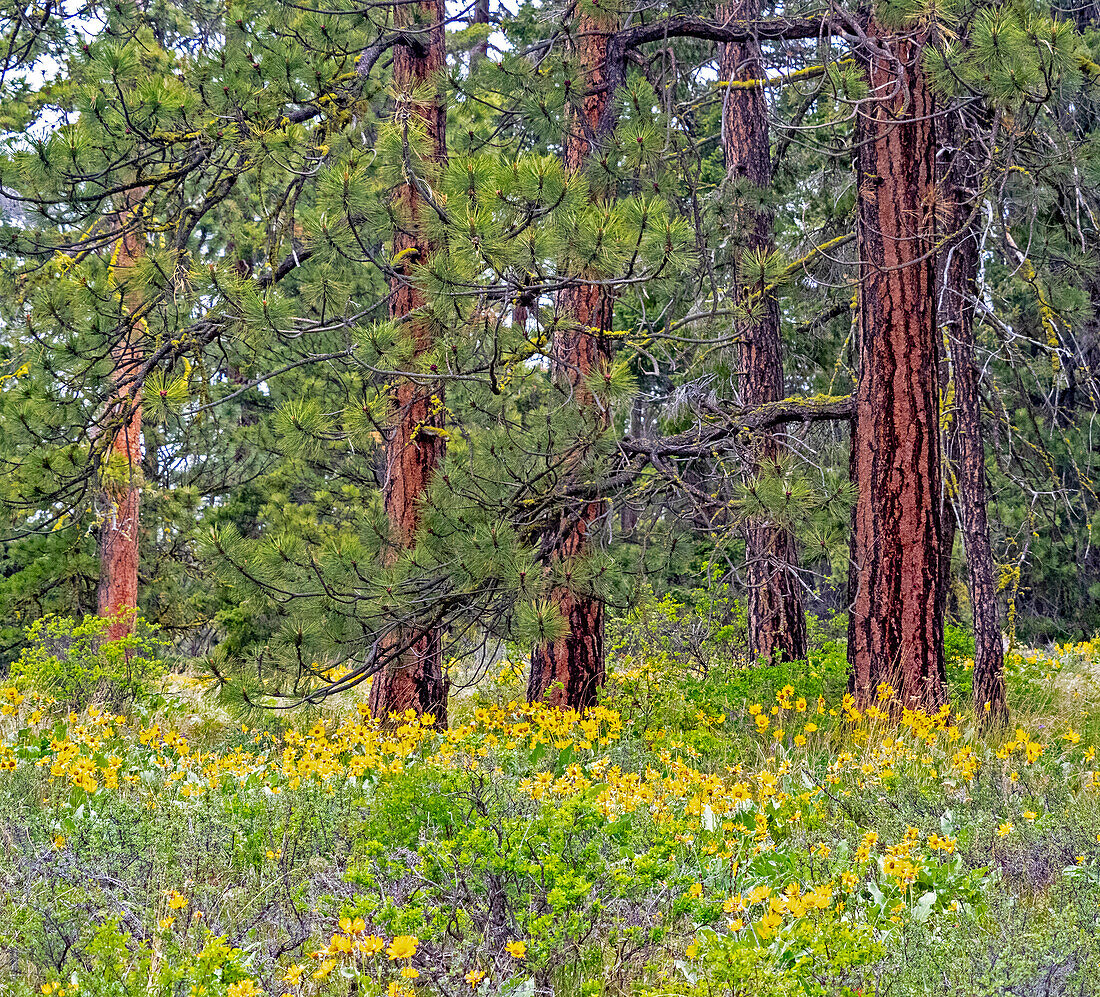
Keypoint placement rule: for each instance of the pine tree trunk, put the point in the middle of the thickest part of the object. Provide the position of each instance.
(895, 631)
(570, 671)
(776, 618)
(415, 443)
(117, 592)
(481, 16)
(947, 317)
(962, 274)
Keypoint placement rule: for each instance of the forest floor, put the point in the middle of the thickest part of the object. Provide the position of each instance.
(746, 833)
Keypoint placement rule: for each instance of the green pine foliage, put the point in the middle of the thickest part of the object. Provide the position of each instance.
(256, 151)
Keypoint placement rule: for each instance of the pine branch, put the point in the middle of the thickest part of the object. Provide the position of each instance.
(715, 437)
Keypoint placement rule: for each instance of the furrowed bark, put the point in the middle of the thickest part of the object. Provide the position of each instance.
(969, 447)
(895, 632)
(776, 619)
(117, 591)
(569, 671)
(414, 445)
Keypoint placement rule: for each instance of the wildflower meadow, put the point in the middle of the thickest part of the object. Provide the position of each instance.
(750, 831)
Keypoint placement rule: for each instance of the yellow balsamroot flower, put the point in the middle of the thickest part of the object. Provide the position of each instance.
(1030, 816)
(900, 869)
(1005, 830)
(767, 925)
(166, 922)
(474, 977)
(59, 841)
(339, 945)
(403, 947)
(517, 950)
(176, 900)
(409, 972)
(695, 890)
(759, 893)
(244, 988)
(936, 843)
(293, 975)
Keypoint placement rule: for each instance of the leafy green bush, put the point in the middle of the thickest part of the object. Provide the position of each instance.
(958, 643)
(77, 663)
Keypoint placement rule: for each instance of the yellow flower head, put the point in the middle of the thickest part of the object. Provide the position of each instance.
(244, 988)
(339, 945)
(474, 977)
(294, 975)
(372, 945)
(517, 950)
(403, 947)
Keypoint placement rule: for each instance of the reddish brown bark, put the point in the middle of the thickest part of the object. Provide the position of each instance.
(969, 451)
(776, 618)
(570, 671)
(895, 631)
(117, 593)
(415, 443)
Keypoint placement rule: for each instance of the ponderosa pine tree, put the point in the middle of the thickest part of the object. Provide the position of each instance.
(774, 611)
(570, 670)
(119, 550)
(969, 445)
(415, 440)
(895, 633)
